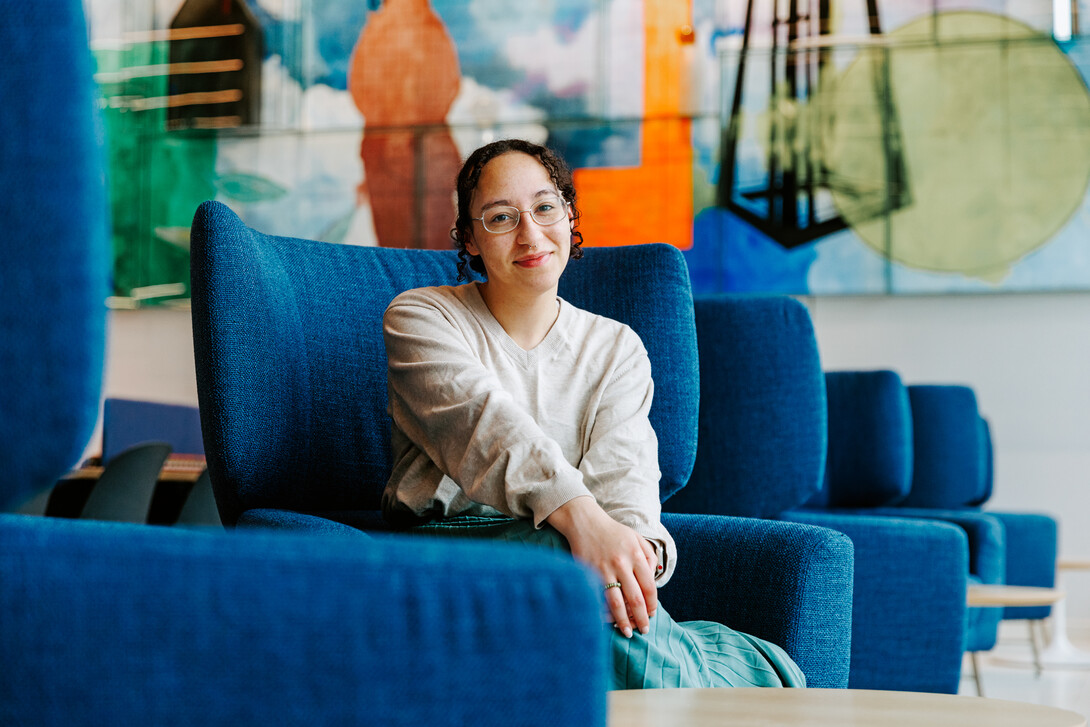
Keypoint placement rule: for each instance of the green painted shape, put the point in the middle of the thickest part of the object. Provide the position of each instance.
(994, 124)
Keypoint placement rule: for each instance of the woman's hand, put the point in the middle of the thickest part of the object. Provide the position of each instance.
(619, 554)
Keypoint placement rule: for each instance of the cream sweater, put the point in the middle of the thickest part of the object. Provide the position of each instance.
(481, 426)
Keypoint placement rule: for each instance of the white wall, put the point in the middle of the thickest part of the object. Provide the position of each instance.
(1026, 356)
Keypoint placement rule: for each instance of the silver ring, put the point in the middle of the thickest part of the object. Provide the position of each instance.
(615, 584)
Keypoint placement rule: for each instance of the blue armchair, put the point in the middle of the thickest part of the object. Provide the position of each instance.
(112, 623)
(953, 478)
(291, 375)
(762, 453)
(876, 458)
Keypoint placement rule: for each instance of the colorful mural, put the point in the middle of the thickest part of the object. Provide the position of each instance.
(886, 147)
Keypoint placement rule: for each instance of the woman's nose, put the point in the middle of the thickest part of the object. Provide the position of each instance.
(529, 231)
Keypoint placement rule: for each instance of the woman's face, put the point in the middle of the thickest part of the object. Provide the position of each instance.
(531, 257)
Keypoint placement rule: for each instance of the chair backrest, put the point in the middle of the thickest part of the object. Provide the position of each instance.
(291, 366)
(949, 467)
(870, 440)
(128, 422)
(988, 472)
(55, 245)
(761, 446)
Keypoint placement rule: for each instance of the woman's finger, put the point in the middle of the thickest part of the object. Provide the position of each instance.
(635, 600)
(617, 608)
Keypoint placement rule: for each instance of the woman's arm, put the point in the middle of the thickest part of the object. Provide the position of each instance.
(620, 463)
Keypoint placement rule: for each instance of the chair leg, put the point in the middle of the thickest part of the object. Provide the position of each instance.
(974, 660)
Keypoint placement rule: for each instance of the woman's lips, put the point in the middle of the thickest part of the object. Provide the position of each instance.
(533, 262)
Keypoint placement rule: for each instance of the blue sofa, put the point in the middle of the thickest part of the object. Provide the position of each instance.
(291, 375)
(763, 434)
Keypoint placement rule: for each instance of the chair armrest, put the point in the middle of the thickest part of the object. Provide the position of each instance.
(1032, 540)
(909, 610)
(790, 584)
(987, 540)
(106, 623)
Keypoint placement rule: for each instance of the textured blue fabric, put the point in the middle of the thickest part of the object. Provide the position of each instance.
(870, 440)
(783, 582)
(948, 468)
(989, 465)
(1031, 540)
(291, 366)
(762, 431)
(55, 252)
(908, 611)
(128, 422)
(111, 624)
(987, 562)
(762, 408)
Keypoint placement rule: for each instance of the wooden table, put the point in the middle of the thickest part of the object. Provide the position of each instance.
(824, 708)
(1000, 596)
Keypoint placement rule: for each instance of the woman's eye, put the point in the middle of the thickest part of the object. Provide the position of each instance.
(499, 218)
(545, 207)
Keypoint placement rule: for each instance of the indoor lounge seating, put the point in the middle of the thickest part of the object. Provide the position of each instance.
(122, 624)
(291, 375)
(762, 453)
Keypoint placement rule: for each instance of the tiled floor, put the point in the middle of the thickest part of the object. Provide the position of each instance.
(1005, 677)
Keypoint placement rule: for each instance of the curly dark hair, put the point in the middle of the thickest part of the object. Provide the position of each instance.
(471, 174)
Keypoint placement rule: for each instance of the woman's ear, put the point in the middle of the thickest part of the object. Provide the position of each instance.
(471, 245)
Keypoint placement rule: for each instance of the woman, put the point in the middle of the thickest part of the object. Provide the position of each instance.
(518, 416)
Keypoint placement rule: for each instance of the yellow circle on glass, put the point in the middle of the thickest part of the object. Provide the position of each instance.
(959, 143)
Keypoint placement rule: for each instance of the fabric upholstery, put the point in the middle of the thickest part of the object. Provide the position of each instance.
(126, 625)
(948, 468)
(291, 375)
(55, 246)
(291, 367)
(956, 448)
(761, 449)
(908, 611)
(788, 584)
(870, 440)
(128, 422)
(762, 398)
(987, 562)
(1031, 556)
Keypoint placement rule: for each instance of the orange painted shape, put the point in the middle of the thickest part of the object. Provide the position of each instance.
(654, 201)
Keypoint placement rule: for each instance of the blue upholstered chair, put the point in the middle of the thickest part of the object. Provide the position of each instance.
(953, 473)
(878, 452)
(291, 375)
(121, 624)
(762, 453)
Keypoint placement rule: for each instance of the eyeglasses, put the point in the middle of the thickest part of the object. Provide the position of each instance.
(547, 211)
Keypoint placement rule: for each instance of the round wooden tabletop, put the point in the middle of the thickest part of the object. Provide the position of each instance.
(821, 707)
(999, 595)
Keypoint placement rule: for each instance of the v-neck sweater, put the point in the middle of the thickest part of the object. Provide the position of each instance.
(480, 426)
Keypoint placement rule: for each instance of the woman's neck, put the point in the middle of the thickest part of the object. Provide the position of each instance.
(527, 319)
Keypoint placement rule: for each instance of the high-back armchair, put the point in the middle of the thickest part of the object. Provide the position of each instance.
(291, 375)
(291, 364)
(763, 436)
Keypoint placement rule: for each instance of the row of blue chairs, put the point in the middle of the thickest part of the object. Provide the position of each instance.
(332, 619)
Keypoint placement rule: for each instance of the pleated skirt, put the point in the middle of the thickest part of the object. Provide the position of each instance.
(672, 654)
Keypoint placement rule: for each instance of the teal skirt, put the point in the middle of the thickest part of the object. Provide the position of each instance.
(671, 654)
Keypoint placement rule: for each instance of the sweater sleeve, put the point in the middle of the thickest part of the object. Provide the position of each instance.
(620, 465)
(454, 408)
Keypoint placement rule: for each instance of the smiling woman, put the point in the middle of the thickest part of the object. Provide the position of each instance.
(519, 417)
